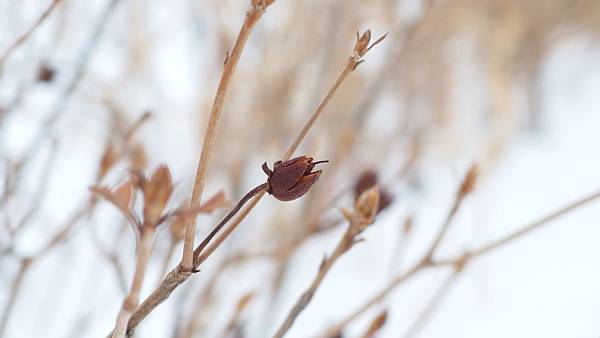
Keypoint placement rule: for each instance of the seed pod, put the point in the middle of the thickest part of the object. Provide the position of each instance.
(291, 179)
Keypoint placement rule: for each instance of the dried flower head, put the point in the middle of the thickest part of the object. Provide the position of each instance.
(157, 192)
(291, 179)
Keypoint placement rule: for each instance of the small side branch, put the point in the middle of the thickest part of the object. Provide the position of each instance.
(21, 39)
(364, 212)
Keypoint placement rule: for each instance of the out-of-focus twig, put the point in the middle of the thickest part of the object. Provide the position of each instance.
(21, 39)
(63, 99)
(435, 301)
(179, 274)
(462, 259)
(27, 262)
(254, 14)
(363, 215)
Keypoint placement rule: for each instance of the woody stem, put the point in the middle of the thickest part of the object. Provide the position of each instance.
(236, 208)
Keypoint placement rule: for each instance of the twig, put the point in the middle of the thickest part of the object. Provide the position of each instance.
(364, 213)
(111, 256)
(252, 16)
(361, 47)
(42, 189)
(435, 301)
(180, 274)
(467, 186)
(62, 101)
(257, 190)
(462, 259)
(131, 302)
(376, 325)
(27, 262)
(15, 288)
(21, 39)
(401, 245)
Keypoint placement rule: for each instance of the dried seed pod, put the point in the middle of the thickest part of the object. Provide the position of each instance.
(291, 179)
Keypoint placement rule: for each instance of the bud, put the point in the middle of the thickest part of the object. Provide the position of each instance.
(367, 204)
(362, 43)
(291, 179)
(376, 325)
(362, 46)
(367, 180)
(157, 192)
(468, 184)
(108, 160)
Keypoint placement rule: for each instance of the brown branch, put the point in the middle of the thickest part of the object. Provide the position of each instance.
(460, 260)
(252, 16)
(364, 213)
(465, 189)
(21, 39)
(180, 273)
(257, 190)
(132, 299)
(360, 49)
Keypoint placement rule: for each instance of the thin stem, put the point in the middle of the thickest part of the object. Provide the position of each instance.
(375, 299)
(132, 300)
(61, 103)
(359, 219)
(234, 224)
(249, 195)
(433, 304)
(457, 261)
(533, 226)
(348, 68)
(21, 39)
(311, 121)
(167, 259)
(465, 189)
(181, 273)
(13, 295)
(252, 17)
(27, 262)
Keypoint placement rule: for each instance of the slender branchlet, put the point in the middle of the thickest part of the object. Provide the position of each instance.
(364, 212)
(458, 263)
(21, 39)
(190, 262)
(252, 16)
